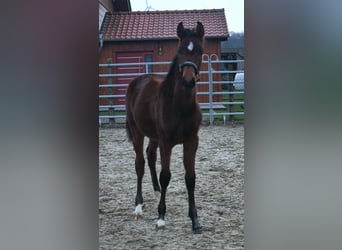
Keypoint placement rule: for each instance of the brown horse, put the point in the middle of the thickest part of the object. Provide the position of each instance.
(166, 111)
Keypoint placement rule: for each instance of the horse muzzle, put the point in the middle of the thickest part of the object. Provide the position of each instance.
(189, 64)
(190, 73)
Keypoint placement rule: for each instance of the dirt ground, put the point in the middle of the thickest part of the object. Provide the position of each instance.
(219, 194)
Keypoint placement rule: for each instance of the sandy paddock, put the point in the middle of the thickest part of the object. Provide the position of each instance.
(219, 194)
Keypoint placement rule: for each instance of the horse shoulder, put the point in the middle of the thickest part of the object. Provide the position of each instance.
(192, 122)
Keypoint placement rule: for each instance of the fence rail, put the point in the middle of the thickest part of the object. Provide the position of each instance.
(217, 96)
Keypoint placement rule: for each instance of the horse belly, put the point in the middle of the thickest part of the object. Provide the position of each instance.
(144, 105)
(147, 128)
(143, 117)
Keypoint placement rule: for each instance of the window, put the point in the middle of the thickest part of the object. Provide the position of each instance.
(148, 59)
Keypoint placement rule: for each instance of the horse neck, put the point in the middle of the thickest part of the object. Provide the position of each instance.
(182, 100)
(172, 77)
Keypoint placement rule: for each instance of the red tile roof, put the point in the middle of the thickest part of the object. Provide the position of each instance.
(151, 25)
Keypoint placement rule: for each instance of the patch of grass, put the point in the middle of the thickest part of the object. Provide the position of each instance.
(115, 113)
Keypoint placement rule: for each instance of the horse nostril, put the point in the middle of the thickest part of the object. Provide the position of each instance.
(188, 73)
(189, 84)
(189, 79)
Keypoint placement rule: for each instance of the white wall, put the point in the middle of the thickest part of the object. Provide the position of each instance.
(102, 12)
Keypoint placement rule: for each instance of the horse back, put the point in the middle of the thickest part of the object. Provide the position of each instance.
(142, 89)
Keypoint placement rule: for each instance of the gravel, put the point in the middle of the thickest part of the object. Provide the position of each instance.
(219, 194)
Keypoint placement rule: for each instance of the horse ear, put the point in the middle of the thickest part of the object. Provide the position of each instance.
(200, 29)
(180, 30)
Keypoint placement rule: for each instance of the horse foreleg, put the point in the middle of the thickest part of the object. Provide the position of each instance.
(190, 185)
(190, 148)
(164, 179)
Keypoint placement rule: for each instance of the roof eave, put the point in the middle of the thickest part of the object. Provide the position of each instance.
(222, 38)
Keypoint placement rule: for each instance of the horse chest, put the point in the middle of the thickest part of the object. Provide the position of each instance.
(183, 133)
(180, 132)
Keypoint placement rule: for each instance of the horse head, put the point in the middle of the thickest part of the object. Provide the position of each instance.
(190, 53)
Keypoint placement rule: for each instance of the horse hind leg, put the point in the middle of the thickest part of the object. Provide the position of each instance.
(164, 179)
(138, 141)
(151, 152)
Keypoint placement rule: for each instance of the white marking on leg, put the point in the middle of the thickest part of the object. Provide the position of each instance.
(138, 210)
(160, 223)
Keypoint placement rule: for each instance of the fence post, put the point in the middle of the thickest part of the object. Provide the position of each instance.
(231, 66)
(111, 110)
(231, 99)
(211, 87)
(211, 115)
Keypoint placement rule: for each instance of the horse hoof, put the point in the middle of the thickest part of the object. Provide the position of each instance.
(197, 230)
(137, 217)
(138, 211)
(160, 224)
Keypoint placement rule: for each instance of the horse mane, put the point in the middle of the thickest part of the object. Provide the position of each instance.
(173, 67)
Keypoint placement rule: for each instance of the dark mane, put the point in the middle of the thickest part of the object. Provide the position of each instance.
(173, 67)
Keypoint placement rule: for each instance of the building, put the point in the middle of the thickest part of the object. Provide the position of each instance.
(111, 6)
(145, 36)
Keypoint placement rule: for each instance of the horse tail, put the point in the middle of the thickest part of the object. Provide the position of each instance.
(128, 131)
